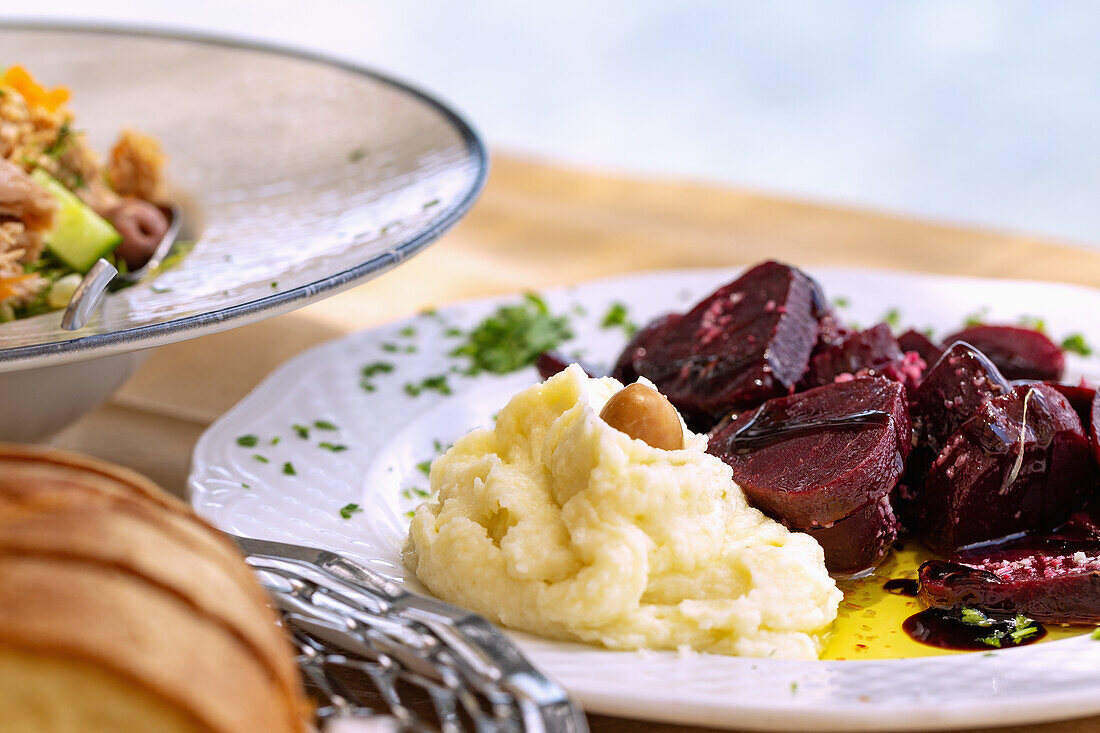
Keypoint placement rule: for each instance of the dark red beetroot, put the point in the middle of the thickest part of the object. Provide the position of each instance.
(822, 456)
(916, 341)
(952, 391)
(747, 342)
(1020, 353)
(550, 363)
(1094, 429)
(1080, 398)
(870, 353)
(1022, 463)
(860, 540)
(1050, 580)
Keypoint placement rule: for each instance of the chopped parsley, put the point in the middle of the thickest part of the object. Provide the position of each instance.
(452, 332)
(438, 383)
(425, 467)
(616, 318)
(411, 513)
(841, 301)
(348, 509)
(1007, 632)
(1076, 343)
(1095, 635)
(389, 347)
(61, 142)
(274, 284)
(416, 491)
(324, 425)
(430, 204)
(248, 441)
(976, 318)
(160, 290)
(334, 447)
(1034, 323)
(288, 469)
(302, 431)
(513, 337)
(367, 371)
(275, 440)
(357, 155)
(261, 459)
(892, 318)
(245, 486)
(408, 331)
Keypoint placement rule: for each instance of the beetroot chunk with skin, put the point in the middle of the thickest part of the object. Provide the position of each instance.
(747, 342)
(860, 541)
(817, 457)
(1081, 397)
(916, 341)
(952, 391)
(1022, 463)
(1094, 429)
(874, 352)
(1048, 579)
(1020, 353)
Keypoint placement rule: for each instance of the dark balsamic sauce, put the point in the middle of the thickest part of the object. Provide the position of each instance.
(943, 629)
(902, 587)
(763, 429)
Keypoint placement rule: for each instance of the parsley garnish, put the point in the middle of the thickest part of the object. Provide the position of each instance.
(288, 469)
(261, 459)
(1076, 343)
(976, 318)
(892, 318)
(357, 155)
(371, 370)
(616, 317)
(348, 509)
(408, 331)
(513, 337)
(452, 332)
(437, 383)
(1034, 323)
(302, 431)
(61, 142)
(425, 467)
(841, 302)
(275, 440)
(430, 204)
(1095, 635)
(389, 347)
(248, 441)
(334, 447)
(324, 425)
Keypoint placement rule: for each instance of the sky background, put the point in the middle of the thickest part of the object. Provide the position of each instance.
(975, 112)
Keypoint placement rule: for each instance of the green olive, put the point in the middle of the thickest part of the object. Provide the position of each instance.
(643, 413)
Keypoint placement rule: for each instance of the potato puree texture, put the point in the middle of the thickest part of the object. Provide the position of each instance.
(554, 522)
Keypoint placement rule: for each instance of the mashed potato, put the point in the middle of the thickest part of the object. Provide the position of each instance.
(556, 523)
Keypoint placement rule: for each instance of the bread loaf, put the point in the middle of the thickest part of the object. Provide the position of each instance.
(120, 610)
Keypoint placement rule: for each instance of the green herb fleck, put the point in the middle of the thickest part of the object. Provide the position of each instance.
(425, 467)
(288, 469)
(334, 447)
(245, 486)
(1034, 323)
(974, 617)
(324, 425)
(261, 459)
(61, 142)
(615, 317)
(408, 331)
(275, 440)
(411, 513)
(579, 310)
(160, 290)
(357, 155)
(1095, 635)
(513, 337)
(389, 347)
(794, 688)
(248, 441)
(892, 317)
(430, 204)
(348, 509)
(452, 332)
(438, 383)
(841, 301)
(976, 318)
(302, 431)
(274, 284)
(1076, 343)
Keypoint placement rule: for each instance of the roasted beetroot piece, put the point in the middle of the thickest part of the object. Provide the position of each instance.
(916, 341)
(952, 391)
(1049, 580)
(1081, 397)
(1094, 429)
(817, 457)
(747, 342)
(550, 363)
(1022, 463)
(1020, 353)
(874, 352)
(830, 331)
(860, 541)
(636, 349)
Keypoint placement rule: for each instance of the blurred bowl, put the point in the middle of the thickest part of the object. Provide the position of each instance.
(300, 176)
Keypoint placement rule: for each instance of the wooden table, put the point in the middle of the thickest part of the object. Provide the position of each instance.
(536, 227)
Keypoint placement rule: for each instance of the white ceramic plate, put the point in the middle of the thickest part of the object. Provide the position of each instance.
(387, 433)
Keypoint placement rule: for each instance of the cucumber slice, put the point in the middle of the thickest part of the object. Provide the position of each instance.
(79, 236)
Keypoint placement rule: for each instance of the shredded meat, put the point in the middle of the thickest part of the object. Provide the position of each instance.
(27, 205)
(136, 167)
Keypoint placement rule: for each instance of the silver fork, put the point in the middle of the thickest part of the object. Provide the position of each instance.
(346, 618)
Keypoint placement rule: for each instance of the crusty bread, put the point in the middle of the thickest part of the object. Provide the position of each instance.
(123, 608)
